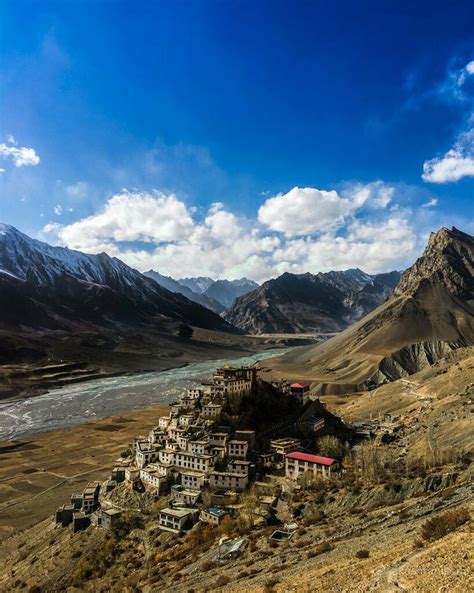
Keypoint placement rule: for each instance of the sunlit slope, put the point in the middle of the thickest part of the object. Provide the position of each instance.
(430, 314)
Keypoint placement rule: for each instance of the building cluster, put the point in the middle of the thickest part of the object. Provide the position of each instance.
(84, 508)
(190, 452)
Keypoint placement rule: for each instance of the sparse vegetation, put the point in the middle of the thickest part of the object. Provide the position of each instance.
(222, 581)
(330, 446)
(440, 525)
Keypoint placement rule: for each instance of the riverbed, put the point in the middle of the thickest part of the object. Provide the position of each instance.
(81, 402)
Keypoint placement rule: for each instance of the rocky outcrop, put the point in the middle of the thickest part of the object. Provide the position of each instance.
(448, 260)
(411, 359)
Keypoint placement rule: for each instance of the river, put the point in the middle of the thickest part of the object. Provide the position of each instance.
(82, 402)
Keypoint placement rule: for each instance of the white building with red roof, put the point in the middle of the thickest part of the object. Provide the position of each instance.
(298, 463)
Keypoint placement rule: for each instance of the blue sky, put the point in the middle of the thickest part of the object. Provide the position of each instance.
(238, 138)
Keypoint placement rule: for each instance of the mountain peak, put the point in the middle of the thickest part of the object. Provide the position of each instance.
(448, 259)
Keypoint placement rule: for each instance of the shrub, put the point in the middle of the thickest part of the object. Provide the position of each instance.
(362, 554)
(324, 547)
(321, 549)
(222, 581)
(269, 585)
(439, 526)
(208, 565)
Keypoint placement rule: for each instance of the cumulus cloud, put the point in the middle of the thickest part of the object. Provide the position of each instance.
(22, 156)
(220, 244)
(152, 218)
(58, 209)
(457, 163)
(304, 210)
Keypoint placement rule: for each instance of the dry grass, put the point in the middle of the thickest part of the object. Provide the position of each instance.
(439, 526)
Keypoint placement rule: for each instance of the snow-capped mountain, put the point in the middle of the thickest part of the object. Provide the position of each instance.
(227, 291)
(175, 286)
(198, 285)
(93, 286)
(223, 292)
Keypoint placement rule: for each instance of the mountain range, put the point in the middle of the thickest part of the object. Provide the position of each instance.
(304, 303)
(430, 314)
(175, 286)
(217, 295)
(57, 304)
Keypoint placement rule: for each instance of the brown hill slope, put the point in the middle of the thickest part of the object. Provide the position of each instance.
(430, 314)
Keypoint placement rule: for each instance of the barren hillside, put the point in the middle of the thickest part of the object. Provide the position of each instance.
(430, 314)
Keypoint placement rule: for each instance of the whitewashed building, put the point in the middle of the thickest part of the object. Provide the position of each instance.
(177, 520)
(297, 464)
(237, 449)
(228, 481)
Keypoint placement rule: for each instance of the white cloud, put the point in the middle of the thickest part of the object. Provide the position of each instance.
(223, 245)
(22, 157)
(376, 194)
(457, 163)
(2, 171)
(11, 140)
(304, 210)
(431, 203)
(58, 209)
(152, 218)
(465, 72)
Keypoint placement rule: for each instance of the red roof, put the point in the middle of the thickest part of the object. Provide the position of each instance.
(299, 385)
(311, 458)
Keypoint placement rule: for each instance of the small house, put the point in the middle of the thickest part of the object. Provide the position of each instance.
(177, 520)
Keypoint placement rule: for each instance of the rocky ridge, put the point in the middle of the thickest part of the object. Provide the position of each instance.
(305, 303)
(430, 314)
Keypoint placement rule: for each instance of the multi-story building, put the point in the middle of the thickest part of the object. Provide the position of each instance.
(177, 520)
(238, 466)
(157, 436)
(192, 480)
(90, 497)
(146, 453)
(164, 421)
(186, 460)
(297, 464)
(300, 391)
(152, 477)
(237, 449)
(228, 481)
(211, 410)
(185, 420)
(166, 456)
(198, 447)
(283, 446)
(218, 439)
